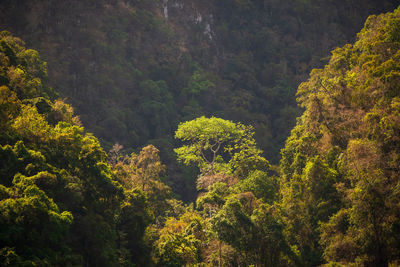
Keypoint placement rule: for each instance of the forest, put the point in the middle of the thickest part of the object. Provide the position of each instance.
(199, 133)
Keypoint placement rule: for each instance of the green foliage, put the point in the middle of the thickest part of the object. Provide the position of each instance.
(212, 139)
(252, 228)
(339, 181)
(133, 74)
(233, 224)
(213, 200)
(241, 225)
(180, 240)
(32, 223)
(260, 184)
(64, 202)
(22, 69)
(197, 84)
(132, 222)
(60, 203)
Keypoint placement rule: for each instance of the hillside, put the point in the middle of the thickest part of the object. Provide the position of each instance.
(134, 69)
(340, 165)
(333, 200)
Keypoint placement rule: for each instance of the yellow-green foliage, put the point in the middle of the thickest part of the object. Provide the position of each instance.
(211, 139)
(60, 203)
(352, 116)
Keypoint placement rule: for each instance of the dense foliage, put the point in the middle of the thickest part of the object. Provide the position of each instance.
(219, 146)
(333, 200)
(135, 69)
(340, 166)
(60, 202)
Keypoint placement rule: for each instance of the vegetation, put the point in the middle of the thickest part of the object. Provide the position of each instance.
(212, 139)
(332, 201)
(340, 165)
(134, 70)
(61, 203)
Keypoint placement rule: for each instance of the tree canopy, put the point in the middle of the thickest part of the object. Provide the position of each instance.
(340, 169)
(332, 201)
(218, 145)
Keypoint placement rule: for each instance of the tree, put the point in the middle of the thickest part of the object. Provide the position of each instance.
(197, 84)
(340, 167)
(253, 229)
(60, 203)
(147, 165)
(143, 171)
(180, 240)
(218, 145)
(33, 227)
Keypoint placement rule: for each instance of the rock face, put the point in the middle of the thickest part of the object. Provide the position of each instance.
(135, 69)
